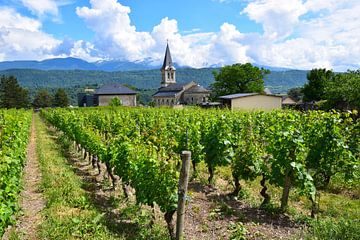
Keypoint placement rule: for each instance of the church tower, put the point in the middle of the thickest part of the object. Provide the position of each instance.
(168, 70)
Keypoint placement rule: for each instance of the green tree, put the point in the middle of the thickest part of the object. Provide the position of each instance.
(115, 102)
(61, 98)
(296, 93)
(42, 99)
(314, 89)
(12, 95)
(238, 78)
(342, 91)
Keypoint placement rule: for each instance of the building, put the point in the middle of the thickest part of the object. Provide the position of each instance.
(288, 102)
(171, 93)
(110, 91)
(103, 96)
(251, 101)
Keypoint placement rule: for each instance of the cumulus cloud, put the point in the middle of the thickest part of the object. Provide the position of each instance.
(296, 34)
(114, 32)
(329, 38)
(116, 37)
(22, 38)
(278, 17)
(42, 7)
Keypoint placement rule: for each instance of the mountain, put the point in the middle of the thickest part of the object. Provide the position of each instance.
(79, 64)
(277, 82)
(109, 66)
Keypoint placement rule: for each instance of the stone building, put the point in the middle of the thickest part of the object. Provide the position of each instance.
(171, 93)
(103, 96)
(110, 91)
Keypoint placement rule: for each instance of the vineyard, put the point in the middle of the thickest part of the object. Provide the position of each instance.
(14, 133)
(272, 157)
(289, 150)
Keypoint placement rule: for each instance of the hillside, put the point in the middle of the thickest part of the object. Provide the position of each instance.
(277, 81)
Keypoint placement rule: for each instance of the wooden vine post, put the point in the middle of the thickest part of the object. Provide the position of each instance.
(183, 186)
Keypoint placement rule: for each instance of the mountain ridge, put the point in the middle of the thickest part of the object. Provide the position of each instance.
(71, 63)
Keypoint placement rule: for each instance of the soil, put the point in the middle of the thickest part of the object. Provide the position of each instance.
(214, 214)
(31, 199)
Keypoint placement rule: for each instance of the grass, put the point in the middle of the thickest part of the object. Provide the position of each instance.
(70, 211)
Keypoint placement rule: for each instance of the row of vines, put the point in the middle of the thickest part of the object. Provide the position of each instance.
(287, 149)
(14, 133)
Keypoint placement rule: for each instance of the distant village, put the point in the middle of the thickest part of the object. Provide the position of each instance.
(177, 95)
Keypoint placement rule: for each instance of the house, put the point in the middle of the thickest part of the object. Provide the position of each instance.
(110, 91)
(251, 101)
(103, 96)
(171, 93)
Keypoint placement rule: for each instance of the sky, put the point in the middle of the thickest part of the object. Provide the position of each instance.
(300, 34)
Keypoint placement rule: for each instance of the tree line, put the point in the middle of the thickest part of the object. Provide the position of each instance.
(330, 90)
(12, 95)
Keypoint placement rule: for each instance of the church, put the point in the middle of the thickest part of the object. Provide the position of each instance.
(171, 93)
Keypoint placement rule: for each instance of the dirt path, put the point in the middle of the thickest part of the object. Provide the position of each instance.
(31, 199)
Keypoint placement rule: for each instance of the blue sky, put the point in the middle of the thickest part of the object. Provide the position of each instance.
(301, 34)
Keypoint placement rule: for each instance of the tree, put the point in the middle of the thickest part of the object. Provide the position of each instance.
(42, 99)
(115, 102)
(296, 93)
(61, 98)
(314, 89)
(342, 91)
(12, 95)
(238, 78)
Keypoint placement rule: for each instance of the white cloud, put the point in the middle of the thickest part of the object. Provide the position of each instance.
(21, 37)
(42, 7)
(296, 34)
(114, 33)
(278, 17)
(329, 39)
(9, 19)
(116, 37)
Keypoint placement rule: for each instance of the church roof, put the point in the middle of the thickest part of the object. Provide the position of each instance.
(114, 89)
(197, 89)
(166, 94)
(167, 59)
(175, 87)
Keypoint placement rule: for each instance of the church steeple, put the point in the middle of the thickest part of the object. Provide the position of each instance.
(168, 69)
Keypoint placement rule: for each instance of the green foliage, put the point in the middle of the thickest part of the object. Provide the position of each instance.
(115, 102)
(12, 95)
(143, 145)
(14, 133)
(42, 99)
(342, 229)
(296, 93)
(314, 89)
(238, 78)
(342, 91)
(60, 98)
(238, 231)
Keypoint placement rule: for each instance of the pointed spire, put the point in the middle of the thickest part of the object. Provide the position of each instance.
(167, 60)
